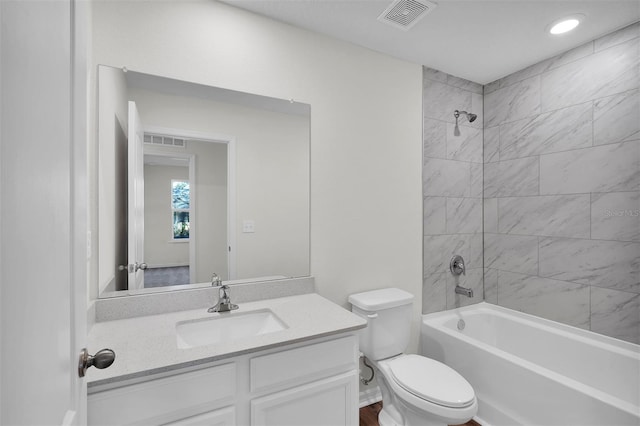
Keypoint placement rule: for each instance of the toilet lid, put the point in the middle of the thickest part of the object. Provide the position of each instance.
(431, 380)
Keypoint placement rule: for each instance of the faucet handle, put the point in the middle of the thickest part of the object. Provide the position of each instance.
(224, 295)
(457, 265)
(216, 281)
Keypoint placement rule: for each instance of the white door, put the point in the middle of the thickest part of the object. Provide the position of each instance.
(136, 200)
(43, 219)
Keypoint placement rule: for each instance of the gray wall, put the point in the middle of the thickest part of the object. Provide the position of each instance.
(452, 190)
(561, 187)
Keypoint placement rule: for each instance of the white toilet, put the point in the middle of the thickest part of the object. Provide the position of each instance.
(416, 391)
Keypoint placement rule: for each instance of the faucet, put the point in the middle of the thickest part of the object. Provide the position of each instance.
(457, 268)
(464, 291)
(224, 300)
(216, 281)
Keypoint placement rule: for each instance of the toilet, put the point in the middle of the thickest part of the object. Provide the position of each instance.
(416, 391)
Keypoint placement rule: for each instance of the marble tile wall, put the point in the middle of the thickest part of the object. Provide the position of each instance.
(562, 188)
(452, 190)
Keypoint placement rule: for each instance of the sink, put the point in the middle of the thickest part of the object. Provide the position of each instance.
(227, 327)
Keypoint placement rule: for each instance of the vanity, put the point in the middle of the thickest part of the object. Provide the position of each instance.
(285, 361)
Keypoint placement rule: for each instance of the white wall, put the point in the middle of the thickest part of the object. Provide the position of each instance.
(211, 209)
(366, 204)
(112, 132)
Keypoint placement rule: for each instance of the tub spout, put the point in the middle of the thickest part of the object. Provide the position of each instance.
(464, 291)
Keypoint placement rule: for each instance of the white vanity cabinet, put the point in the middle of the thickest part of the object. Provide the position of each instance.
(309, 383)
(315, 384)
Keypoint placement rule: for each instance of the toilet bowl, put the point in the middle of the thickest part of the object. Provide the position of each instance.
(416, 391)
(424, 392)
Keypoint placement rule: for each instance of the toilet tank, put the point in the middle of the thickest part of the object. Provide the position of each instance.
(388, 315)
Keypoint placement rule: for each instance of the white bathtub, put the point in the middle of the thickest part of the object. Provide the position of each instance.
(531, 371)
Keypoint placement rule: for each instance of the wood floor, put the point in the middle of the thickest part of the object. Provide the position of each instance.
(369, 416)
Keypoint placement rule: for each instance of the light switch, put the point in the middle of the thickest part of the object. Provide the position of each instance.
(248, 226)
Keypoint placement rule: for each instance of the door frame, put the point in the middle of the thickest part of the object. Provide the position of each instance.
(193, 218)
(230, 141)
(79, 203)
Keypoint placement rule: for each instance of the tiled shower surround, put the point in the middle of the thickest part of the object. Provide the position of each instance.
(561, 189)
(452, 190)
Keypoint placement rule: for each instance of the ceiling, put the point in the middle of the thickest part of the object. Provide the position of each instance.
(478, 40)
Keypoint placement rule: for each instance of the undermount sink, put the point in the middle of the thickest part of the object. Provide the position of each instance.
(227, 327)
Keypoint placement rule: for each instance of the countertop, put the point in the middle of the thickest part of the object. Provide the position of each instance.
(147, 345)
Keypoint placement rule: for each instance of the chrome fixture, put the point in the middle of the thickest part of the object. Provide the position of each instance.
(457, 268)
(102, 359)
(216, 281)
(457, 265)
(133, 267)
(224, 300)
(470, 116)
(464, 291)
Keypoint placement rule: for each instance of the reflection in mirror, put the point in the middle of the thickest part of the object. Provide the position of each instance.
(195, 180)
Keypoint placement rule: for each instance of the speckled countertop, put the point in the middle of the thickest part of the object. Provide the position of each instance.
(148, 345)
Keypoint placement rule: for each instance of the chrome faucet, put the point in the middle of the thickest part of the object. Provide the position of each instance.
(216, 281)
(457, 268)
(224, 300)
(457, 265)
(464, 291)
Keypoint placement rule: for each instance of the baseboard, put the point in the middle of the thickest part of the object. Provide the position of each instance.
(370, 396)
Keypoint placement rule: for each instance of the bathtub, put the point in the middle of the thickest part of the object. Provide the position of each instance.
(530, 371)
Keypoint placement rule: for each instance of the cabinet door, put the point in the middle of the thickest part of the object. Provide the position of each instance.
(221, 417)
(166, 399)
(332, 401)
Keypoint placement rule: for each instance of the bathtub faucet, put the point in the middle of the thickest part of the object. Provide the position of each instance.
(465, 291)
(456, 266)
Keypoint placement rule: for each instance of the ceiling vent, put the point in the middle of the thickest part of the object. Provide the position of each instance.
(155, 139)
(404, 14)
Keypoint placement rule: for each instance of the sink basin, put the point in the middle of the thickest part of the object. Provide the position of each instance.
(227, 327)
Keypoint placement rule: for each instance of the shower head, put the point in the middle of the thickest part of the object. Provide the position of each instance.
(470, 116)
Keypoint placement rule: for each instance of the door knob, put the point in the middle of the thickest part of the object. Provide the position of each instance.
(102, 359)
(132, 267)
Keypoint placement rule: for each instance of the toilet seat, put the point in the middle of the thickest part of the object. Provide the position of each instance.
(432, 381)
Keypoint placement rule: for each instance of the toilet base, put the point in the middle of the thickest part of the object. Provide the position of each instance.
(398, 412)
(408, 419)
(385, 420)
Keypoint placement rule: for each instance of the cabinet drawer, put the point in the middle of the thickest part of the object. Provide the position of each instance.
(164, 400)
(304, 364)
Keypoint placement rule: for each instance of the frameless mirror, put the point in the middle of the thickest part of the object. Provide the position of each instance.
(196, 180)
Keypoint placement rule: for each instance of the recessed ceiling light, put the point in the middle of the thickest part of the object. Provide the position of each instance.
(564, 25)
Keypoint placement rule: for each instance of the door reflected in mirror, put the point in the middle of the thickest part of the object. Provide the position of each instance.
(195, 180)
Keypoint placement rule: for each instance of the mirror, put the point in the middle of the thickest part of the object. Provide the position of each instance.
(195, 180)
